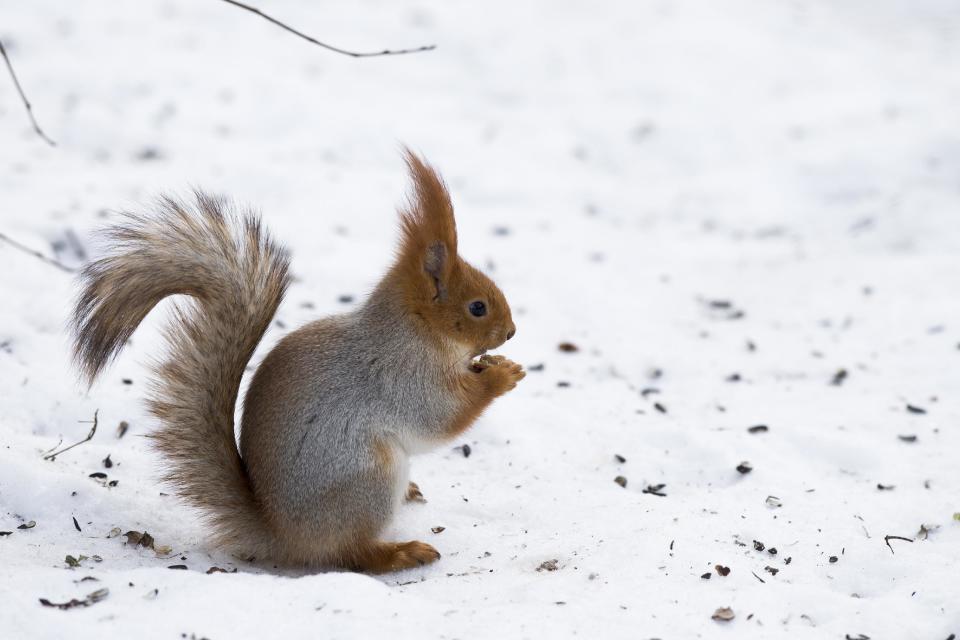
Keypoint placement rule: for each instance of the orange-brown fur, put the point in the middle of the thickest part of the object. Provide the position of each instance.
(479, 390)
(439, 301)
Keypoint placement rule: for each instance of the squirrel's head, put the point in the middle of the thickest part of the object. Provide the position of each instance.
(452, 299)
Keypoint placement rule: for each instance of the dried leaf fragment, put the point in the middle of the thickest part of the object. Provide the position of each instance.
(549, 565)
(723, 614)
(655, 490)
(92, 598)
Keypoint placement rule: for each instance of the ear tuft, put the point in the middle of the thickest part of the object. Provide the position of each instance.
(429, 243)
(428, 215)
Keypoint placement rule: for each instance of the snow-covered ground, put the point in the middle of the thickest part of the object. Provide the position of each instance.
(722, 204)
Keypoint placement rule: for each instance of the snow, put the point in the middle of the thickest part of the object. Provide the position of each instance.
(799, 160)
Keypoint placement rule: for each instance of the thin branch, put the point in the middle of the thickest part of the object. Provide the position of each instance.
(23, 98)
(36, 254)
(352, 54)
(887, 540)
(53, 456)
(53, 447)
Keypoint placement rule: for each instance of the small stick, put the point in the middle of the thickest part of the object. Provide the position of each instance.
(93, 430)
(36, 254)
(54, 447)
(23, 98)
(887, 539)
(352, 54)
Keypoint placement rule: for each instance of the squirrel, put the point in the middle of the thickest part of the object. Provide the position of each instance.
(335, 409)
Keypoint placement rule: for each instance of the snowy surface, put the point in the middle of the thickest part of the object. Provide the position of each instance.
(620, 168)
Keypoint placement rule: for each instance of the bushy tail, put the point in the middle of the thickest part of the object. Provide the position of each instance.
(237, 277)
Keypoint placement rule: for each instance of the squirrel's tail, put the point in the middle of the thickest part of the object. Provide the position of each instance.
(237, 277)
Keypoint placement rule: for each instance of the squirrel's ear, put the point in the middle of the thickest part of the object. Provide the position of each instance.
(436, 264)
(429, 228)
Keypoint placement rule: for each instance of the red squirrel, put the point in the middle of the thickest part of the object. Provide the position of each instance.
(334, 411)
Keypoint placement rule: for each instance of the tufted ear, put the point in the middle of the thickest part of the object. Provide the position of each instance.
(436, 264)
(429, 230)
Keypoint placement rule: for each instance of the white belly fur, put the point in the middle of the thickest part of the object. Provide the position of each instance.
(402, 476)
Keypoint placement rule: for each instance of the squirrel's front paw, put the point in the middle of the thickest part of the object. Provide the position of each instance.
(499, 373)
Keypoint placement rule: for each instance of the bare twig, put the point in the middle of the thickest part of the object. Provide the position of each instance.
(53, 456)
(23, 98)
(36, 254)
(887, 540)
(53, 447)
(352, 54)
(91, 599)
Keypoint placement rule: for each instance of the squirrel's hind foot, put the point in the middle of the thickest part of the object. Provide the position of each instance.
(385, 557)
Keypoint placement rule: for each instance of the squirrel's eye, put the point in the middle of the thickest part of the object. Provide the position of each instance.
(478, 309)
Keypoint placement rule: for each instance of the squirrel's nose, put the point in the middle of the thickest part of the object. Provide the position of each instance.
(512, 331)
